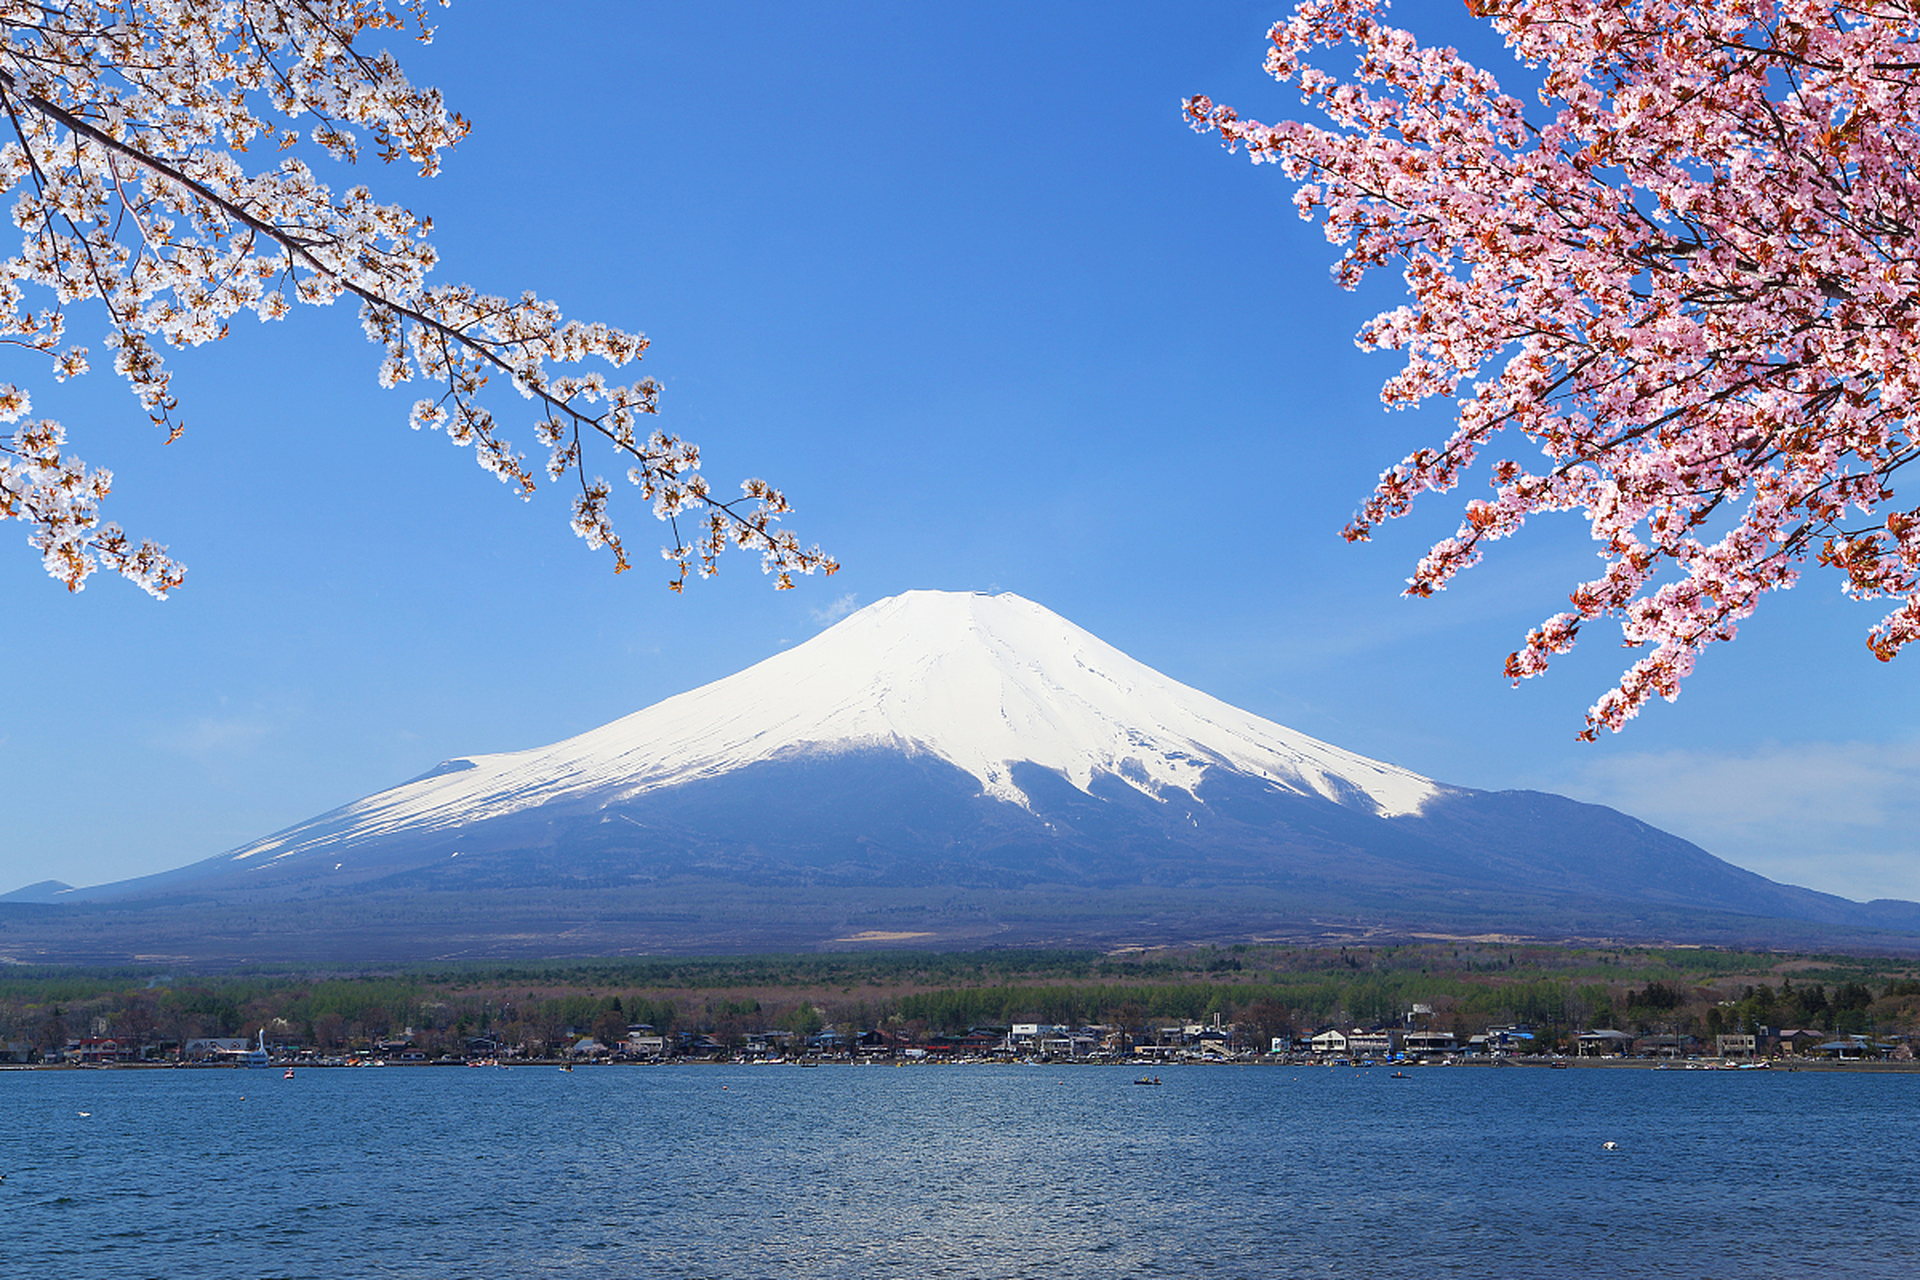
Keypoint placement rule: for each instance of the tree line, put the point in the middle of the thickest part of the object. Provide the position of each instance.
(1265, 991)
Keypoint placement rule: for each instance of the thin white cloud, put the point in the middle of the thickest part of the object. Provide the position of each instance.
(836, 609)
(1841, 817)
(208, 739)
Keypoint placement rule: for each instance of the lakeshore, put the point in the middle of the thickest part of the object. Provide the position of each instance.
(1460, 1000)
(1809, 1065)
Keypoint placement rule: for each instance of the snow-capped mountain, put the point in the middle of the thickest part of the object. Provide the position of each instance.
(950, 770)
(980, 682)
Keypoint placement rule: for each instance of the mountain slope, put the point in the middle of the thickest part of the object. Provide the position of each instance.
(956, 769)
(981, 682)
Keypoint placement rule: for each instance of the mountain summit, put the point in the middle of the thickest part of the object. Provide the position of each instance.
(983, 683)
(949, 770)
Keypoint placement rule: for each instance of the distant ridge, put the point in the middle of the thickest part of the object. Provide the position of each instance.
(944, 770)
(45, 891)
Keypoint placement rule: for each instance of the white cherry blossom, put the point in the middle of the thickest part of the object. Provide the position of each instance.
(160, 156)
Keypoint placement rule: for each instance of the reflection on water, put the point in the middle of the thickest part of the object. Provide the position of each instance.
(973, 1171)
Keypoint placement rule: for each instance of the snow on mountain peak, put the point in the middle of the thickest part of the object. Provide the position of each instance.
(983, 682)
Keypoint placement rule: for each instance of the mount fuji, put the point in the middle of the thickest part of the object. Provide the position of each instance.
(943, 770)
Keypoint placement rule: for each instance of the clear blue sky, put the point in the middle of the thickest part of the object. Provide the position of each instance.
(960, 281)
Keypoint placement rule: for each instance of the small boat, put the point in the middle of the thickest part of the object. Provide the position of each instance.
(259, 1057)
(288, 1074)
(1148, 1080)
(1399, 1075)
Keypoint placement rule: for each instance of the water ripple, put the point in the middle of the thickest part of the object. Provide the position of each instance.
(960, 1172)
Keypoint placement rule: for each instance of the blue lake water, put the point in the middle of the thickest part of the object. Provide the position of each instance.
(732, 1172)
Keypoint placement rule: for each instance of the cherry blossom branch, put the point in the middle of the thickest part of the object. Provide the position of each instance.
(1698, 274)
(182, 285)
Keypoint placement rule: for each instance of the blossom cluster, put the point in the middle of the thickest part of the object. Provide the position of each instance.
(127, 126)
(1691, 279)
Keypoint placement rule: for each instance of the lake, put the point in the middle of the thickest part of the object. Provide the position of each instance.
(727, 1172)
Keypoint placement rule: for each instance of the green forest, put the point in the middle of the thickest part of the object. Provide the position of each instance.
(1266, 991)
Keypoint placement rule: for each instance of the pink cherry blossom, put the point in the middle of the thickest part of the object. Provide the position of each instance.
(1689, 277)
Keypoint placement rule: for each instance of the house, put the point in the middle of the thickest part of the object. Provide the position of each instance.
(1794, 1041)
(638, 1045)
(1508, 1039)
(1029, 1037)
(873, 1044)
(1070, 1044)
(978, 1041)
(1330, 1044)
(1603, 1044)
(1729, 1046)
(215, 1048)
(701, 1046)
(1852, 1047)
(1664, 1046)
(772, 1044)
(1370, 1044)
(1428, 1044)
(100, 1049)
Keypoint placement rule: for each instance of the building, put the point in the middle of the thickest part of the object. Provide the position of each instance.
(1038, 1037)
(1852, 1047)
(1330, 1044)
(100, 1049)
(216, 1048)
(1665, 1046)
(1793, 1041)
(1429, 1044)
(1508, 1039)
(1732, 1046)
(1370, 1044)
(1603, 1044)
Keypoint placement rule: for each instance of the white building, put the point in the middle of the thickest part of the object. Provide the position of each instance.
(1370, 1044)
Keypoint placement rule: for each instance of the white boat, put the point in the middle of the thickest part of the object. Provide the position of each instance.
(257, 1057)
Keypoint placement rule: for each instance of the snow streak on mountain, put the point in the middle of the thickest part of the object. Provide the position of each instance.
(982, 682)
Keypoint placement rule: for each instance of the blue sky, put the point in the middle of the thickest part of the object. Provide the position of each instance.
(964, 285)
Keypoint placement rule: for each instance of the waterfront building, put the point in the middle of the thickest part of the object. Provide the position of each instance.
(1429, 1044)
(1603, 1044)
